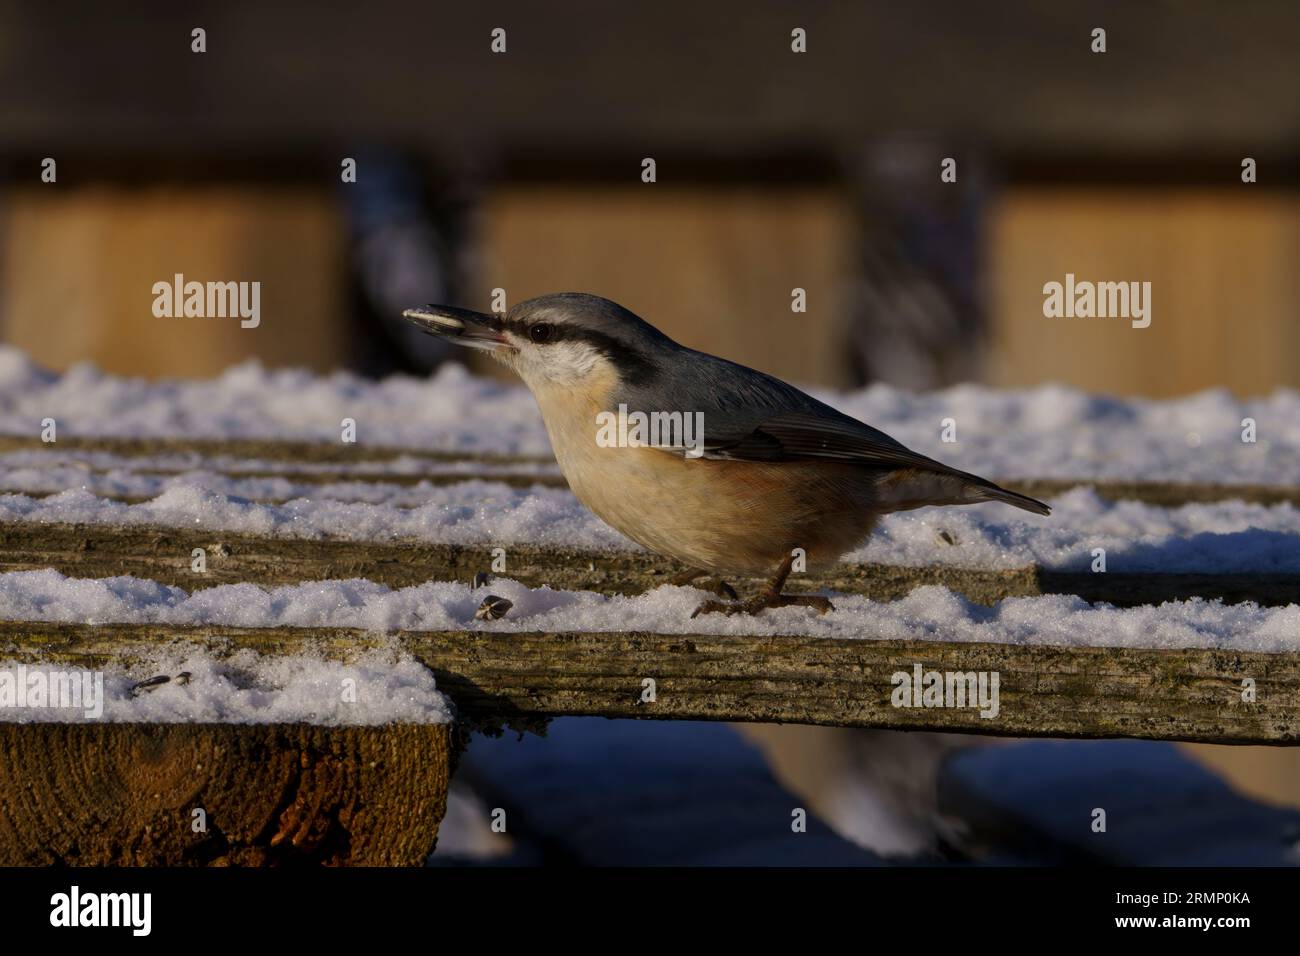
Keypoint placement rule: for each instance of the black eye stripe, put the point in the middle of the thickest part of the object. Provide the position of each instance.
(635, 367)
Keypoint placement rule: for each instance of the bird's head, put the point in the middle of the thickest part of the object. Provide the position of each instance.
(569, 340)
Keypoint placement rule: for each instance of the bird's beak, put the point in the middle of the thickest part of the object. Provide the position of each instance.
(462, 326)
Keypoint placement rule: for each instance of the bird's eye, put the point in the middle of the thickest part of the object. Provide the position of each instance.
(539, 332)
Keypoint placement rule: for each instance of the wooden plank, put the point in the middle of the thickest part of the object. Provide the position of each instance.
(230, 229)
(1163, 495)
(259, 448)
(113, 794)
(517, 678)
(1182, 241)
(1042, 92)
(164, 554)
(371, 480)
(736, 251)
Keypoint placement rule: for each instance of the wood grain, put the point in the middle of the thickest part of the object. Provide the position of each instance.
(99, 794)
(517, 679)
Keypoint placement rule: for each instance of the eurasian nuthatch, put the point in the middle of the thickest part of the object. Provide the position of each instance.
(772, 472)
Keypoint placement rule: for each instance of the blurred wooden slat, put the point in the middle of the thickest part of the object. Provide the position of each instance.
(1035, 802)
(1224, 288)
(710, 266)
(1263, 773)
(80, 265)
(591, 74)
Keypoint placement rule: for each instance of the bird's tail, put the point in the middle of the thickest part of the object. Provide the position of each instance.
(987, 491)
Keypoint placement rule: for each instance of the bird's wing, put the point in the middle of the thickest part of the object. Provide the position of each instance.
(827, 435)
(814, 434)
(751, 416)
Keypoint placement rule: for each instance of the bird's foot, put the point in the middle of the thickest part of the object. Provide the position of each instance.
(820, 604)
(715, 585)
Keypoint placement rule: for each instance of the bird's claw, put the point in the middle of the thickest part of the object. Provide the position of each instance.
(722, 589)
(718, 586)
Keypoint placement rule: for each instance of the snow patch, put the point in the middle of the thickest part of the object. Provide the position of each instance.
(379, 687)
(928, 613)
(1219, 537)
(1049, 432)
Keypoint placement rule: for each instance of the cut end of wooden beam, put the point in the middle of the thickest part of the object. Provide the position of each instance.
(222, 794)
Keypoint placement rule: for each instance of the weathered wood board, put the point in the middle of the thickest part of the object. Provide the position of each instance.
(520, 678)
(164, 555)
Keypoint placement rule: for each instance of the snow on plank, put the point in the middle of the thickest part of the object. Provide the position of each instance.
(1234, 551)
(1047, 439)
(258, 481)
(166, 555)
(97, 462)
(1045, 433)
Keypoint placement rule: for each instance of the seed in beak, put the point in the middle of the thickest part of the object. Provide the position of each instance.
(436, 320)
